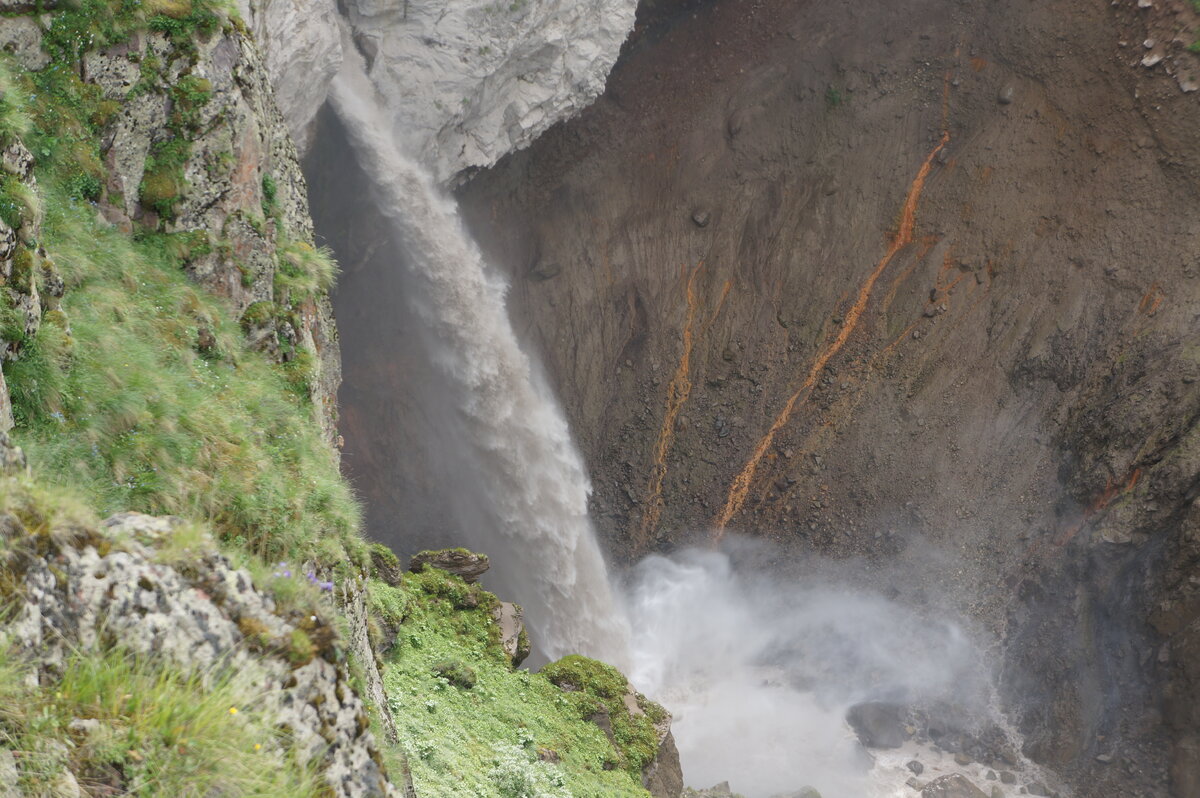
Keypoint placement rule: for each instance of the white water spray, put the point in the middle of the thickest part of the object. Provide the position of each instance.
(759, 673)
(530, 471)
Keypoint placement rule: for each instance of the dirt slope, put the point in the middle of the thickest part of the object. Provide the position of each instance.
(915, 282)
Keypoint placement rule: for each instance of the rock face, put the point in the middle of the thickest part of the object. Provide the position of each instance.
(1006, 375)
(97, 586)
(513, 636)
(302, 45)
(467, 564)
(471, 80)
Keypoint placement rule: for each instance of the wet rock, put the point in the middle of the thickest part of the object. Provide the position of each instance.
(1006, 94)
(916, 767)
(467, 564)
(877, 724)
(1036, 788)
(952, 786)
(1007, 777)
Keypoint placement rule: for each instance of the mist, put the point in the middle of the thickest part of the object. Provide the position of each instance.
(758, 672)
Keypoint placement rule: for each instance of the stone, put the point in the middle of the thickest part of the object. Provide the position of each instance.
(1007, 777)
(962, 760)
(480, 81)
(8, 775)
(386, 565)
(302, 44)
(701, 218)
(1036, 788)
(513, 637)
(1006, 94)
(64, 785)
(953, 786)
(467, 564)
(1104, 758)
(22, 37)
(201, 617)
(916, 767)
(877, 724)
(997, 792)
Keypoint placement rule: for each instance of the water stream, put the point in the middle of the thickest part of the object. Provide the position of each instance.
(527, 465)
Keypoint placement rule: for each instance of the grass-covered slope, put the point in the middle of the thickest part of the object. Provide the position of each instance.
(145, 395)
(151, 401)
(511, 734)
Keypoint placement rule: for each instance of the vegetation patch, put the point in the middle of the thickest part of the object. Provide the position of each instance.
(488, 741)
(595, 688)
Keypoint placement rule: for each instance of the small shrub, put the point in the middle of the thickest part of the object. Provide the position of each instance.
(456, 672)
(163, 182)
(270, 194)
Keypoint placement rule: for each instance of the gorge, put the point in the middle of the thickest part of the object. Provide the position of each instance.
(830, 370)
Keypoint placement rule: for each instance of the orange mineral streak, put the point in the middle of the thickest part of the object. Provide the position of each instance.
(678, 390)
(1151, 301)
(740, 487)
(1112, 490)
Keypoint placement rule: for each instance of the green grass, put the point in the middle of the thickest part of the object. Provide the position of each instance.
(127, 410)
(484, 742)
(157, 731)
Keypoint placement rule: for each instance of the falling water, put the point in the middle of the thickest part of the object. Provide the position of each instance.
(529, 470)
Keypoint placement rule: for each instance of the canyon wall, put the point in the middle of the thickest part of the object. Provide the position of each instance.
(909, 284)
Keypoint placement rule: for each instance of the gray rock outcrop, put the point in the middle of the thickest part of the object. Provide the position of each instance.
(94, 588)
(952, 786)
(468, 81)
(467, 564)
(303, 50)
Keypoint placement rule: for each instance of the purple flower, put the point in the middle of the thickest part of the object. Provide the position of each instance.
(326, 585)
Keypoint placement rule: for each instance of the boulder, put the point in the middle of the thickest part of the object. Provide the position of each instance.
(513, 637)
(952, 786)
(385, 564)
(467, 564)
(878, 724)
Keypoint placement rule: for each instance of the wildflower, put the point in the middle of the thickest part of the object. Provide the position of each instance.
(258, 746)
(233, 710)
(326, 586)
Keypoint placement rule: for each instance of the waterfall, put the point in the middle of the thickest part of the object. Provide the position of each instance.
(529, 470)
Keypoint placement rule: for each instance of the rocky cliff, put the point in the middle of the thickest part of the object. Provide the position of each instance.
(910, 286)
(894, 283)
